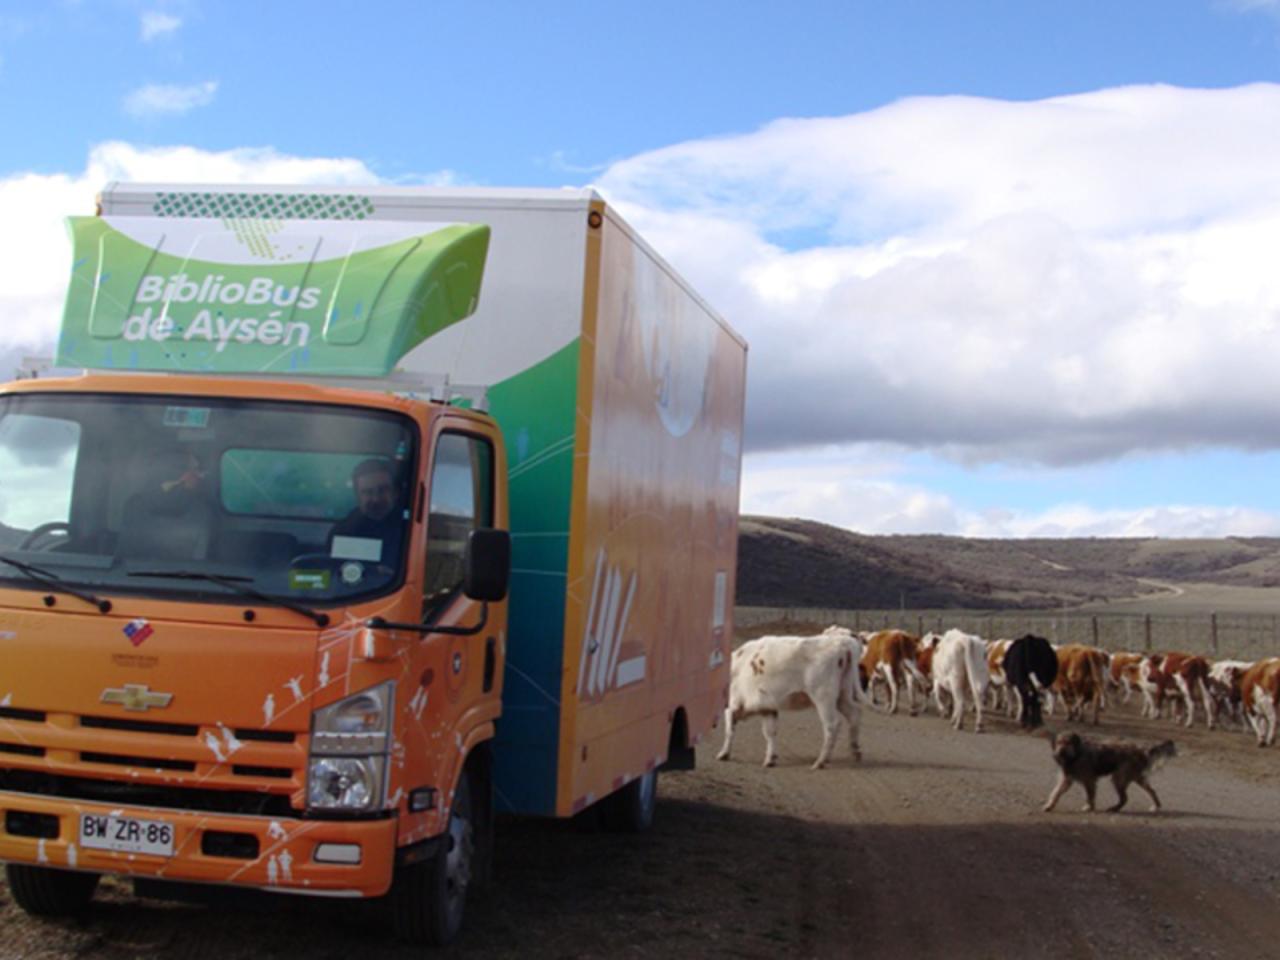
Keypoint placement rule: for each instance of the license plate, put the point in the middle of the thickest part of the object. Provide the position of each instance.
(126, 834)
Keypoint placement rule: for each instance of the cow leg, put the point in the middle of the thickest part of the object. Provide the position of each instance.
(1210, 705)
(830, 719)
(769, 725)
(1056, 793)
(1151, 792)
(1187, 699)
(957, 708)
(852, 716)
(978, 697)
(728, 734)
(1097, 705)
(889, 679)
(1259, 723)
(1269, 713)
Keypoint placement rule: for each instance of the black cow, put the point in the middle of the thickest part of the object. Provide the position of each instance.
(1030, 656)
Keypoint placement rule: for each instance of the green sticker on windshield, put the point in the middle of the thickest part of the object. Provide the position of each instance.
(308, 579)
(186, 416)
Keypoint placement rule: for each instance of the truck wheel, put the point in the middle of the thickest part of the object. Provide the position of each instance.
(427, 899)
(631, 809)
(46, 892)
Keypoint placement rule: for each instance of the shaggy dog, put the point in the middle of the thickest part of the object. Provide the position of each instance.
(1084, 760)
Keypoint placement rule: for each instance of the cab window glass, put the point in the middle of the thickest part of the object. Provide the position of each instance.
(288, 483)
(37, 468)
(461, 500)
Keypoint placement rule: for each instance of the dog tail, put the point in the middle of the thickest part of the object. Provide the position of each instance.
(1161, 752)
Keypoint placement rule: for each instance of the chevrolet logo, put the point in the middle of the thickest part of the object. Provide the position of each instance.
(136, 696)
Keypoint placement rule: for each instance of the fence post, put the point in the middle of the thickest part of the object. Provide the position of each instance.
(920, 625)
(1094, 620)
(1213, 630)
(1146, 631)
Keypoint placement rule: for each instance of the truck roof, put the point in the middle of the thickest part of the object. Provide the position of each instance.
(134, 199)
(262, 388)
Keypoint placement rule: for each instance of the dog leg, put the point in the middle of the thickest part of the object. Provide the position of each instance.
(1122, 793)
(1155, 801)
(1059, 789)
(1091, 789)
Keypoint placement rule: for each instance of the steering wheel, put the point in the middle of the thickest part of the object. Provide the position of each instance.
(45, 530)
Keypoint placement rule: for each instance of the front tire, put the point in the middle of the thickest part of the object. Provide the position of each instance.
(428, 899)
(46, 892)
(631, 809)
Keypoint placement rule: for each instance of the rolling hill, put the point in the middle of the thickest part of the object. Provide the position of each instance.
(790, 563)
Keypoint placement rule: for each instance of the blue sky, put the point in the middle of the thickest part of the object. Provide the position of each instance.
(1005, 267)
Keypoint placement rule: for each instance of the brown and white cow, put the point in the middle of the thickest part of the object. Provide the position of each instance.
(1260, 694)
(1001, 695)
(892, 655)
(1123, 673)
(1224, 689)
(1081, 673)
(771, 674)
(1184, 676)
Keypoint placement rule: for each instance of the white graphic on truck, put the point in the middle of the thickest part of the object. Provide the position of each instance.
(606, 625)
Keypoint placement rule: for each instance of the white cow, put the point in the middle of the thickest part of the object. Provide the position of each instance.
(770, 674)
(960, 664)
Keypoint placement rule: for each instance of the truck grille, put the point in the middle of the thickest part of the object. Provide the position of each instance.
(252, 802)
(159, 764)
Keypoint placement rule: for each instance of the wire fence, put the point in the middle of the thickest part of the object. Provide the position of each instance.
(1217, 635)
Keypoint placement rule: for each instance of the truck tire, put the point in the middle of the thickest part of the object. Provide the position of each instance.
(46, 892)
(428, 899)
(631, 809)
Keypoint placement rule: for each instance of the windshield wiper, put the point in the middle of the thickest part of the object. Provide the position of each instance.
(236, 585)
(54, 582)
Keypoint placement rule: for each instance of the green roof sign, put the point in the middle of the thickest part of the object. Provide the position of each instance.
(242, 295)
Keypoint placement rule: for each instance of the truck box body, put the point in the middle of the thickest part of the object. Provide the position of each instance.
(619, 395)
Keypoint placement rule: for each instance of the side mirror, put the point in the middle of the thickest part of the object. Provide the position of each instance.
(487, 565)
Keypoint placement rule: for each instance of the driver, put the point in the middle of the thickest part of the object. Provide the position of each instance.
(377, 515)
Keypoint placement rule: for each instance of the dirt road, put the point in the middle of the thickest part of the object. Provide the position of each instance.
(933, 847)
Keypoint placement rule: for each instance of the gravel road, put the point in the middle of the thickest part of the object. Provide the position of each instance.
(933, 846)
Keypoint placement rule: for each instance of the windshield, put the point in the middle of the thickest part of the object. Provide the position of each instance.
(301, 502)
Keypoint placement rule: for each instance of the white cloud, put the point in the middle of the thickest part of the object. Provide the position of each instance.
(856, 492)
(156, 23)
(1054, 281)
(1081, 520)
(1251, 5)
(861, 489)
(34, 247)
(159, 99)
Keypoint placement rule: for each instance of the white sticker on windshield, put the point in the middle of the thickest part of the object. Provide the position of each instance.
(368, 549)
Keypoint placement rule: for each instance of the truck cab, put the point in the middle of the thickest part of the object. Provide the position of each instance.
(192, 688)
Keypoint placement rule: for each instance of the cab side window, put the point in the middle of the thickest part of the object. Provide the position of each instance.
(461, 500)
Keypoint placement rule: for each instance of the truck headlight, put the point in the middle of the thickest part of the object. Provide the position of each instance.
(350, 741)
(345, 783)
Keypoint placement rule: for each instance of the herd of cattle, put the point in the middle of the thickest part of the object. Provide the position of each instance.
(838, 670)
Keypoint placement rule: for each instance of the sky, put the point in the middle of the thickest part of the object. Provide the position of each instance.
(1006, 268)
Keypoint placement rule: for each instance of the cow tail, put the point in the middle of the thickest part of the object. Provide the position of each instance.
(860, 695)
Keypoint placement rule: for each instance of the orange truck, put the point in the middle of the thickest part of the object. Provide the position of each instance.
(364, 516)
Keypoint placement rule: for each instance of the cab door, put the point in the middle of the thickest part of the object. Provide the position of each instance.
(462, 495)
